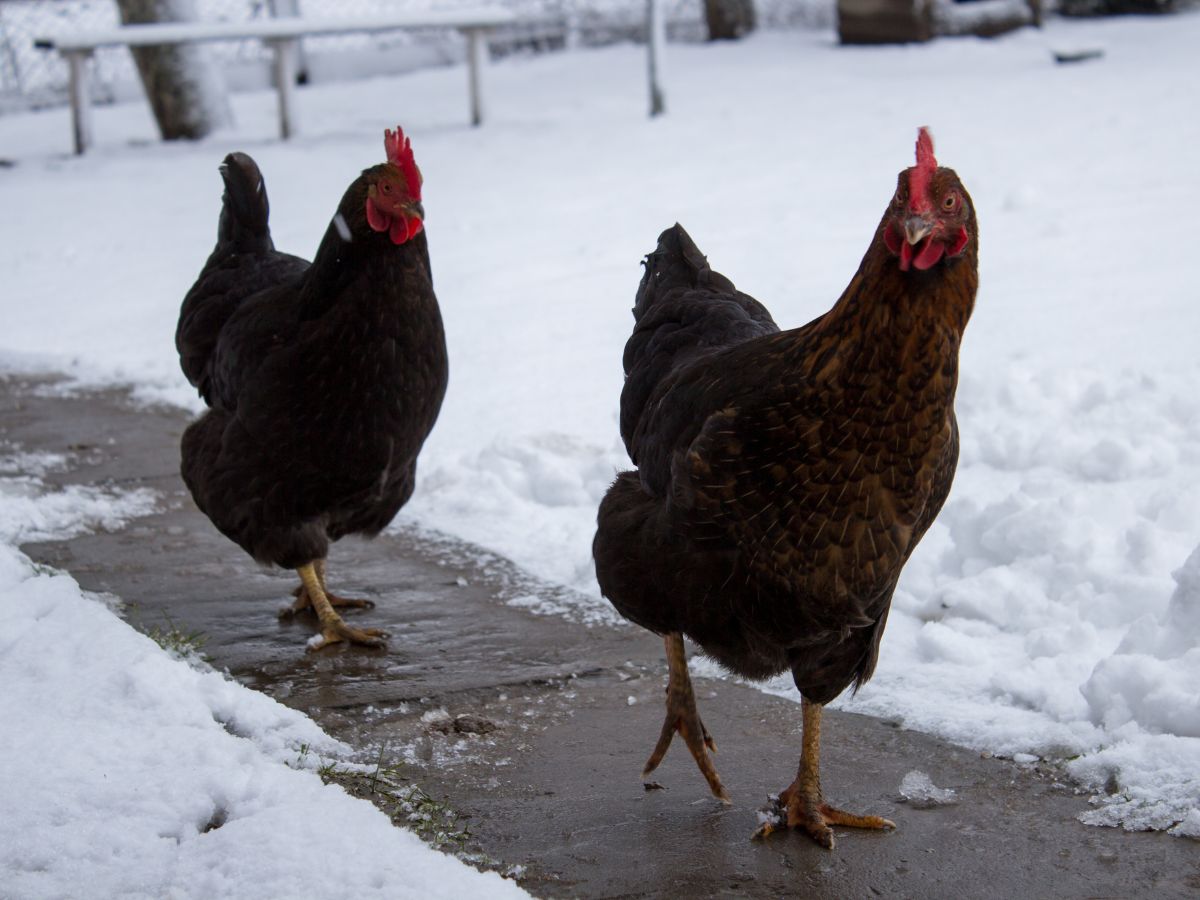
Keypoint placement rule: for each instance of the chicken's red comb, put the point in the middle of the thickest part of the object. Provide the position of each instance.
(921, 174)
(399, 154)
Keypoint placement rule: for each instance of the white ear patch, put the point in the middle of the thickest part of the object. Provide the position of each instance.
(343, 229)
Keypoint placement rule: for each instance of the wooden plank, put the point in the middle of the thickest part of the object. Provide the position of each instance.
(81, 101)
(193, 32)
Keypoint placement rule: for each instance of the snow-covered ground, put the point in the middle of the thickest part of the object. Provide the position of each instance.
(1040, 616)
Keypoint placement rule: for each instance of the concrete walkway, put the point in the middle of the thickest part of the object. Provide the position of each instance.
(547, 723)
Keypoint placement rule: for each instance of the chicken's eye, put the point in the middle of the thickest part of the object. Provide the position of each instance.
(950, 204)
(385, 187)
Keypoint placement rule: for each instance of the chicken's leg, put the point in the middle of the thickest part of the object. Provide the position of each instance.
(802, 801)
(683, 717)
(333, 629)
(303, 601)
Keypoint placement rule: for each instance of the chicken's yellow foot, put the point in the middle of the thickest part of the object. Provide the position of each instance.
(333, 629)
(801, 805)
(683, 717)
(303, 601)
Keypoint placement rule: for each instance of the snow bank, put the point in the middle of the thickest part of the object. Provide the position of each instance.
(1139, 682)
(1037, 616)
(141, 776)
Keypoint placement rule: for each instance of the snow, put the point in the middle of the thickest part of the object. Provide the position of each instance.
(1046, 612)
(918, 791)
(144, 776)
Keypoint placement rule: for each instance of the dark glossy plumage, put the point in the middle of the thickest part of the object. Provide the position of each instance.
(323, 380)
(783, 478)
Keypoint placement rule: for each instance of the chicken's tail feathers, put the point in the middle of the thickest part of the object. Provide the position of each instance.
(244, 210)
(684, 311)
(676, 263)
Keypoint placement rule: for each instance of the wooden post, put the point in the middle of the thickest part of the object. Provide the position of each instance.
(290, 9)
(655, 39)
(475, 61)
(285, 84)
(81, 102)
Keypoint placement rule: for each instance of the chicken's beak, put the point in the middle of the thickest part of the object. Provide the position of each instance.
(916, 228)
(414, 210)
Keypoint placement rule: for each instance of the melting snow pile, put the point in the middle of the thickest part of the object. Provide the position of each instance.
(1146, 695)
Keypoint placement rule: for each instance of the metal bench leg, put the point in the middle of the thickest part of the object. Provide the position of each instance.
(81, 102)
(285, 84)
(475, 51)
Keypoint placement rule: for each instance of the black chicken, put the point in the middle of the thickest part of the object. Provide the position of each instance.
(323, 379)
(784, 478)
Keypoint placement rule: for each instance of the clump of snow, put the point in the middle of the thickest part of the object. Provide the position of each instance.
(1156, 781)
(771, 815)
(1152, 676)
(1145, 695)
(15, 462)
(918, 791)
(437, 720)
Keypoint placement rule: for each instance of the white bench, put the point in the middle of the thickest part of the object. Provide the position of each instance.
(280, 34)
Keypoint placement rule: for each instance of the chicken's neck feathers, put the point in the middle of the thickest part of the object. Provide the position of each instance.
(369, 260)
(891, 323)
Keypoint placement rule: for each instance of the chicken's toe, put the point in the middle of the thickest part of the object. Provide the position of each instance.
(794, 809)
(339, 632)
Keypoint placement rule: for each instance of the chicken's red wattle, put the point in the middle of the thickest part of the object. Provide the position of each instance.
(930, 254)
(399, 228)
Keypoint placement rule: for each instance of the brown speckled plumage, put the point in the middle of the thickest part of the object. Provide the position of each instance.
(784, 478)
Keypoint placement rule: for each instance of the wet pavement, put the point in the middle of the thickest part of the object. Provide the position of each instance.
(547, 722)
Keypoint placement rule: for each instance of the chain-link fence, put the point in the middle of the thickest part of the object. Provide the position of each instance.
(31, 78)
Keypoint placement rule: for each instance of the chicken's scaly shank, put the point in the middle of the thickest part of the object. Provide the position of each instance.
(304, 599)
(683, 718)
(784, 478)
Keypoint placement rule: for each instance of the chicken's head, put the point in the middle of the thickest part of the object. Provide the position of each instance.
(931, 216)
(394, 191)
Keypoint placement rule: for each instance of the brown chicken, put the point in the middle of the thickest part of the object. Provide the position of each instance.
(784, 478)
(323, 378)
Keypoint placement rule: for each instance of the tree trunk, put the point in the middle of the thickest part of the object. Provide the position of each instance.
(184, 87)
(729, 19)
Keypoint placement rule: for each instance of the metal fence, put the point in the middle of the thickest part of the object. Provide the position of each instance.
(31, 78)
